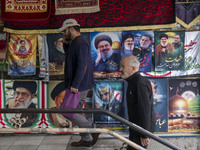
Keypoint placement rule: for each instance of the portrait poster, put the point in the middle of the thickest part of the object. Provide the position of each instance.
(105, 52)
(56, 95)
(22, 54)
(55, 47)
(138, 43)
(184, 105)
(20, 94)
(108, 95)
(169, 50)
(160, 102)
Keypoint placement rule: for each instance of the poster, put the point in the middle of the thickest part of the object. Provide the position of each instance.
(138, 43)
(22, 54)
(20, 94)
(105, 52)
(169, 50)
(56, 95)
(160, 102)
(108, 95)
(184, 105)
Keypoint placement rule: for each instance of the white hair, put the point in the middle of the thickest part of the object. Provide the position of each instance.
(133, 61)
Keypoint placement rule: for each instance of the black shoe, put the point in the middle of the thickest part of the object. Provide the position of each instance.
(95, 137)
(82, 143)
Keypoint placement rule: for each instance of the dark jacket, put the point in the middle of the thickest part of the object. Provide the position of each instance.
(78, 65)
(140, 103)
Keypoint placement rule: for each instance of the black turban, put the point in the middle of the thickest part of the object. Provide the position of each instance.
(128, 35)
(29, 85)
(57, 89)
(163, 35)
(102, 37)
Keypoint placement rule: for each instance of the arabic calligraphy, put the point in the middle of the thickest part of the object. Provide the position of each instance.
(189, 46)
(159, 121)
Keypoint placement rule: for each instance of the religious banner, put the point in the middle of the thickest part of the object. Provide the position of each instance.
(169, 50)
(29, 94)
(76, 6)
(113, 16)
(22, 55)
(184, 105)
(160, 103)
(108, 95)
(192, 58)
(106, 53)
(187, 12)
(26, 10)
(138, 43)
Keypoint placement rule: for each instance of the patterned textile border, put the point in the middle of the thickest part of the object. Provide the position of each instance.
(187, 14)
(115, 15)
(76, 6)
(23, 11)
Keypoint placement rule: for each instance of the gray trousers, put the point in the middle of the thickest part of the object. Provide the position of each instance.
(81, 121)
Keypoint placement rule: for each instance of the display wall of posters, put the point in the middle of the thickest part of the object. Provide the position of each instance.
(22, 54)
(20, 94)
(108, 95)
(169, 50)
(160, 103)
(184, 105)
(105, 52)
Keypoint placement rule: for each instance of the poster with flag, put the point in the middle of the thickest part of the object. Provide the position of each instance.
(169, 50)
(22, 54)
(20, 94)
(192, 58)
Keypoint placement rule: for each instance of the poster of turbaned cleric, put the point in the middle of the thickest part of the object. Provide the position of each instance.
(108, 95)
(106, 55)
(56, 94)
(138, 43)
(160, 103)
(56, 53)
(20, 94)
(22, 54)
(169, 50)
(184, 105)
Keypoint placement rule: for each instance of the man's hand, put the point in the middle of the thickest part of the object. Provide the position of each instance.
(98, 58)
(73, 90)
(144, 141)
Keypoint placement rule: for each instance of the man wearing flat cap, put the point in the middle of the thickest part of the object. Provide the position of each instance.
(57, 95)
(24, 92)
(107, 60)
(164, 49)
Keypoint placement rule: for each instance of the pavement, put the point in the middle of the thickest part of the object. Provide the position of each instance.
(36, 141)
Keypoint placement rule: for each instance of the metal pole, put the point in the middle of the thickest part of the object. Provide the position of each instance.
(74, 130)
(122, 120)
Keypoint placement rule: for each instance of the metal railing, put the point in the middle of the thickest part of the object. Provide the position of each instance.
(120, 119)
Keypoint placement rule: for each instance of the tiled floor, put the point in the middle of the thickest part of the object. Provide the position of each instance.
(54, 142)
